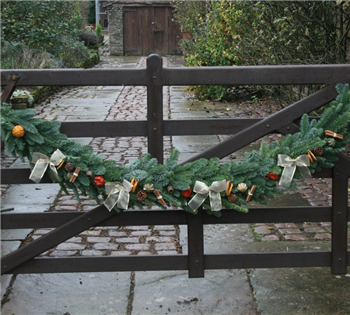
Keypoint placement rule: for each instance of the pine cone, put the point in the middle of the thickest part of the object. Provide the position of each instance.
(141, 195)
(69, 167)
(318, 151)
(232, 198)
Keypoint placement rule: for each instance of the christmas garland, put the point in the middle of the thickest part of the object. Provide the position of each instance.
(205, 183)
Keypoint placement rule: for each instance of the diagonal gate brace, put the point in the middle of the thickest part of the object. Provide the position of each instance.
(271, 123)
(55, 237)
(10, 87)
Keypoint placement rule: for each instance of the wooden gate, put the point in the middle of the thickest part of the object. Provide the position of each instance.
(150, 30)
(243, 131)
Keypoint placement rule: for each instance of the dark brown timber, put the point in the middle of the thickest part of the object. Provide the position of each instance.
(155, 106)
(169, 217)
(339, 222)
(10, 87)
(195, 245)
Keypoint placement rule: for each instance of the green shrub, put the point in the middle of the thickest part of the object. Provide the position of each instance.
(39, 24)
(89, 38)
(92, 60)
(16, 55)
(239, 33)
(92, 13)
(216, 41)
(99, 30)
(71, 52)
(41, 34)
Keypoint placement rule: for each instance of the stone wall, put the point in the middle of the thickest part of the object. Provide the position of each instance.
(84, 9)
(116, 31)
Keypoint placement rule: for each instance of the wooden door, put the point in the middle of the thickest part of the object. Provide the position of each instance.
(150, 30)
(132, 32)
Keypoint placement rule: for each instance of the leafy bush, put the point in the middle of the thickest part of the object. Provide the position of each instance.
(42, 34)
(89, 38)
(99, 33)
(99, 30)
(16, 55)
(39, 23)
(236, 33)
(92, 13)
(71, 52)
(187, 13)
(217, 40)
(93, 59)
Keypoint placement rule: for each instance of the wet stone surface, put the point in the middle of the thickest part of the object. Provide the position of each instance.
(311, 291)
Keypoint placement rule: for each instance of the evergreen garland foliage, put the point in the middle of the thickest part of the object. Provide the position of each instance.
(45, 137)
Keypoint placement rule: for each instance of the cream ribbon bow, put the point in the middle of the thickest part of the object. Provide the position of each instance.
(289, 164)
(203, 191)
(42, 162)
(118, 194)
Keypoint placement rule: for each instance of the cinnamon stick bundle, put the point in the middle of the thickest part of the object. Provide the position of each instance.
(333, 134)
(75, 175)
(159, 197)
(251, 192)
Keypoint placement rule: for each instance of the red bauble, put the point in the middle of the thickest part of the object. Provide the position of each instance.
(273, 176)
(99, 181)
(186, 193)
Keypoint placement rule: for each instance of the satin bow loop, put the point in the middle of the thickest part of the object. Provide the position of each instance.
(118, 194)
(42, 162)
(290, 165)
(203, 191)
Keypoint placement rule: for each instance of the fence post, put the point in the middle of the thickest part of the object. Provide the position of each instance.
(155, 106)
(339, 221)
(195, 245)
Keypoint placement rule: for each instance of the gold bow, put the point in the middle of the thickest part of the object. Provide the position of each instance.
(203, 191)
(289, 164)
(42, 162)
(118, 194)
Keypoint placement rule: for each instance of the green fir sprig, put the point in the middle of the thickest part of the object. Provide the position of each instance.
(45, 137)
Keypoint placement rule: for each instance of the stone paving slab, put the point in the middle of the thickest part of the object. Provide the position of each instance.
(15, 235)
(6, 248)
(301, 291)
(73, 294)
(192, 144)
(18, 197)
(172, 292)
